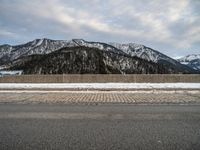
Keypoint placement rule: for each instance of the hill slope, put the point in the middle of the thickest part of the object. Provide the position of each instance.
(84, 60)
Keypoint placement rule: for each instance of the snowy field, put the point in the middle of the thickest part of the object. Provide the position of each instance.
(100, 86)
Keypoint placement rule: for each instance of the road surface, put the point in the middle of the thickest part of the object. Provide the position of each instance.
(109, 127)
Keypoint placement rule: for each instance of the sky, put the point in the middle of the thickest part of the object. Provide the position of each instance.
(169, 26)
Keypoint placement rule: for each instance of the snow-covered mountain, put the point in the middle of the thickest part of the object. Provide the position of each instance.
(192, 61)
(99, 45)
(45, 46)
(9, 54)
(143, 52)
(86, 60)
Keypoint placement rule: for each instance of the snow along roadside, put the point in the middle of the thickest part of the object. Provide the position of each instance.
(100, 86)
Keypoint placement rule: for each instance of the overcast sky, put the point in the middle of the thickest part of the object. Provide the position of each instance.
(170, 26)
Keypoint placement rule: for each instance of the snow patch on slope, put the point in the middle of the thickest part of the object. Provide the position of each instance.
(39, 42)
(98, 45)
(141, 51)
(189, 58)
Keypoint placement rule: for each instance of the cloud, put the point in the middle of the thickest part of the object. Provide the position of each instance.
(163, 24)
(5, 33)
(158, 16)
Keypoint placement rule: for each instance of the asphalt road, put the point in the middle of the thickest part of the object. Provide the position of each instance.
(112, 127)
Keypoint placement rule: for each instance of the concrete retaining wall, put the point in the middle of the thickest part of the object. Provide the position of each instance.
(102, 78)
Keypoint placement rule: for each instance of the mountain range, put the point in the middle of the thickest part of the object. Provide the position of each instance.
(46, 56)
(192, 61)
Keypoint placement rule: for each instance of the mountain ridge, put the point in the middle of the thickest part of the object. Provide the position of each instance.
(192, 60)
(9, 54)
(84, 60)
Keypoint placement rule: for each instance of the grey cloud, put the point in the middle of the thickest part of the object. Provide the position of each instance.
(170, 26)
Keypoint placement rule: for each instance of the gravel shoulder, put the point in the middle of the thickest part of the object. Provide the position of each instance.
(99, 97)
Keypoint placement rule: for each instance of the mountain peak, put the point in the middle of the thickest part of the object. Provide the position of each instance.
(193, 61)
(80, 42)
(190, 57)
